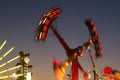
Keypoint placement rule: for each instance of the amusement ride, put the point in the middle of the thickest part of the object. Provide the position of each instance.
(20, 71)
(45, 24)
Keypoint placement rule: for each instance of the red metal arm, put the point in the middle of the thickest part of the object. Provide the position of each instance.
(64, 44)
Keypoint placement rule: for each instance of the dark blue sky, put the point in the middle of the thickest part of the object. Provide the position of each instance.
(19, 20)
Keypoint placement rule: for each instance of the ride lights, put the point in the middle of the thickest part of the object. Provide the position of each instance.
(81, 49)
(95, 38)
(6, 53)
(45, 23)
(2, 45)
(9, 69)
(9, 61)
(11, 76)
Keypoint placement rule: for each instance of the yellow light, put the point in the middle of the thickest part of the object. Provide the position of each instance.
(1, 58)
(48, 13)
(2, 65)
(26, 60)
(8, 76)
(12, 68)
(9, 61)
(6, 53)
(3, 44)
(40, 35)
(40, 22)
(117, 75)
(66, 64)
(3, 71)
(4, 77)
(13, 59)
(16, 75)
(44, 20)
(28, 76)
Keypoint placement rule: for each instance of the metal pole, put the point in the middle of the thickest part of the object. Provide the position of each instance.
(94, 67)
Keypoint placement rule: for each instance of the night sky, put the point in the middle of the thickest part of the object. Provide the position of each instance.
(19, 21)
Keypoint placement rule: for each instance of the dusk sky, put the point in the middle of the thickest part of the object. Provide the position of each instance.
(19, 21)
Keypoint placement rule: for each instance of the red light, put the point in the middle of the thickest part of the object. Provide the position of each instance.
(107, 70)
(47, 22)
(43, 35)
(81, 54)
(45, 28)
(58, 10)
(54, 13)
(75, 54)
(51, 16)
(94, 28)
(90, 41)
(95, 37)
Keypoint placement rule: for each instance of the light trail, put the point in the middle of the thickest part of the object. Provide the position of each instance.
(5, 54)
(28, 76)
(10, 76)
(9, 61)
(3, 44)
(9, 69)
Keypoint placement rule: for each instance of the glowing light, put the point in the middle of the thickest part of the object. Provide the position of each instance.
(40, 35)
(9, 61)
(58, 10)
(13, 75)
(26, 59)
(40, 22)
(95, 38)
(44, 20)
(45, 28)
(43, 35)
(16, 75)
(48, 13)
(12, 68)
(3, 71)
(81, 54)
(13, 59)
(75, 54)
(89, 76)
(28, 76)
(117, 74)
(2, 65)
(54, 13)
(90, 41)
(47, 22)
(59, 71)
(6, 53)
(4, 77)
(44, 23)
(3, 44)
(51, 16)
(66, 64)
